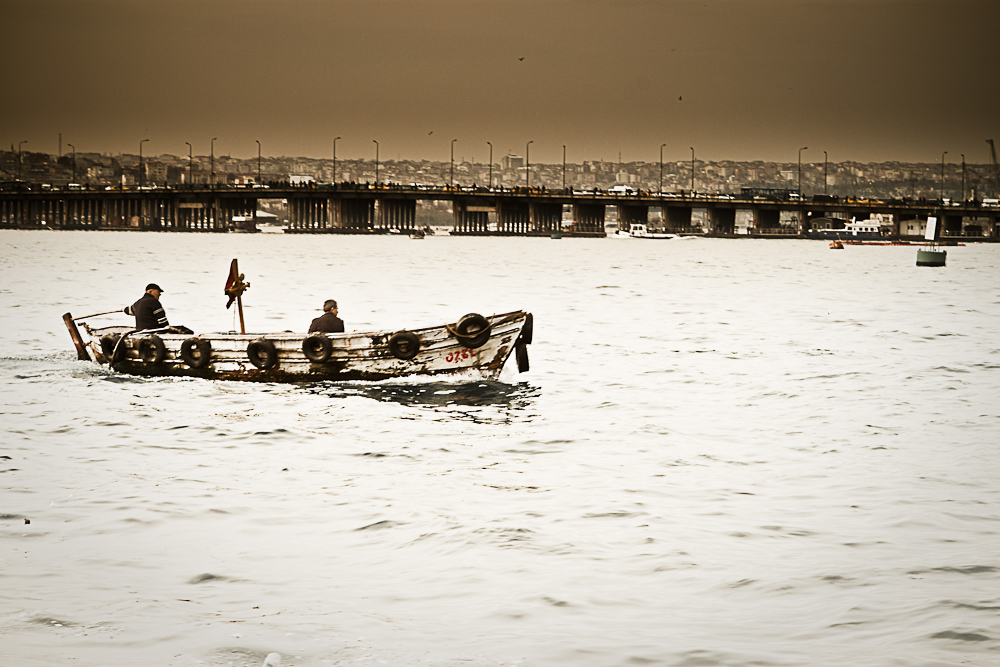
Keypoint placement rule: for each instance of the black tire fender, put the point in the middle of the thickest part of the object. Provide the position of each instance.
(317, 348)
(528, 330)
(521, 355)
(109, 342)
(196, 352)
(473, 330)
(262, 353)
(151, 350)
(404, 345)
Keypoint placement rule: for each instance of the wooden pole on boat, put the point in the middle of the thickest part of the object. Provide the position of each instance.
(234, 290)
(84, 317)
(74, 333)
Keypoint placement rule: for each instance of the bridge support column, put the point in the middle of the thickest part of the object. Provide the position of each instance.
(588, 218)
(398, 214)
(545, 218)
(722, 220)
(678, 218)
(512, 216)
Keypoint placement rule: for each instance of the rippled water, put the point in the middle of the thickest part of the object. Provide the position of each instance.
(727, 452)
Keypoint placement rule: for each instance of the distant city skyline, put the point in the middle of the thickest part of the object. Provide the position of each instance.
(865, 81)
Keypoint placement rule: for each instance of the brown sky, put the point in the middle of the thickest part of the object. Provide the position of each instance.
(864, 80)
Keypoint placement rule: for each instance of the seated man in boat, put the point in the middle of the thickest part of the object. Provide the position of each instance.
(147, 310)
(149, 313)
(328, 322)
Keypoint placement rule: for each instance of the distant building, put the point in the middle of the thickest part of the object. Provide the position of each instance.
(511, 161)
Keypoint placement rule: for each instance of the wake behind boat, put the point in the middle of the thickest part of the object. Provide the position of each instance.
(473, 344)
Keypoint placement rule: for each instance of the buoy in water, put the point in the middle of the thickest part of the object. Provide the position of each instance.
(931, 257)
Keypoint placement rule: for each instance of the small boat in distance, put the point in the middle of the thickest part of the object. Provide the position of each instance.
(836, 245)
(871, 229)
(637, 230)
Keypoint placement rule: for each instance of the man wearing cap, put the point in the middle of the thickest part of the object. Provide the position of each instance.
(147, 311)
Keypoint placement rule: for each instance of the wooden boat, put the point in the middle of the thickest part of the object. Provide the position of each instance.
(474, 344)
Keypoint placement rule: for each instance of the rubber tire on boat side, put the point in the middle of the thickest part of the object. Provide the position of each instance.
(317, 348)
(404, 345)
(196, 352)
(528, 330)
(108, 344)
(473, 330)
(262, 353)
(152, 350)
(521, 355)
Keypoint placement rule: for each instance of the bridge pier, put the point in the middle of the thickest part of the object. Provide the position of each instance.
(398, 214)
(588, 218)
(513, 217)
(722, 220)
(470, 218)
(545, 218)
(677, 218)
(629, 214)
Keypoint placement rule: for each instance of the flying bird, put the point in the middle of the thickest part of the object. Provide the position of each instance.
(521, 58)
(430, 133)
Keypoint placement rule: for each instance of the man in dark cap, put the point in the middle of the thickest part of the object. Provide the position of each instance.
(147, 310)
(328, 322)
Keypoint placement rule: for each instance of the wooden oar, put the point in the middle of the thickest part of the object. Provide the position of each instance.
(118, 310)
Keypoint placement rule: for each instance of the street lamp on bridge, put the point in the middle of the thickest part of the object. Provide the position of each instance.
(19, 158)
(451, 178)
(74, 160)
(804, 148)
(213, 163)
(564, 166)
(376, 162)
(140, 160)
(258, 162)
(692, 170)
(825, 164)
(941, 188)
(661, 167)
(491, 163)
(190, 168)
(335, 160)
(527, 163)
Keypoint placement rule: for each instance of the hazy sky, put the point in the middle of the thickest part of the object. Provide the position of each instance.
(864, 80)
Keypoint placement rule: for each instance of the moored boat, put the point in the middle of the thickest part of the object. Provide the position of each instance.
(640, 231)
(871, 229)
(473, 344)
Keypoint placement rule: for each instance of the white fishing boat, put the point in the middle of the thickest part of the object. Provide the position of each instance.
(640, 231)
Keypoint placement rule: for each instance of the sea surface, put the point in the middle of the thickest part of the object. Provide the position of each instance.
(726, 452)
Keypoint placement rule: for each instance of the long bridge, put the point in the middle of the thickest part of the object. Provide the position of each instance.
(364, 208)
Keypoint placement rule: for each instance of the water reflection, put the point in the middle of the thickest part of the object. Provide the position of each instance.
(436, 395)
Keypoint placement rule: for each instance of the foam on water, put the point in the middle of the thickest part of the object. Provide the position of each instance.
(726, 453)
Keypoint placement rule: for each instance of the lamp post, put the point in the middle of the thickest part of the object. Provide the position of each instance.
(824, 172)
(692, 171)
(941, 188)
(258, 162)
(661, 167)
(527, 163)
(963, 176)
(190, 168)
(335, 159)
(376, 162)
(491, 163)
(451, 178)
(564, 167)
(19, 158)
(140, 161)
(74, 160)
(800, 168)
(213, 164)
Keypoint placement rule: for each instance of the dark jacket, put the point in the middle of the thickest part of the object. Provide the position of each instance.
(327, 323)
(148, 313)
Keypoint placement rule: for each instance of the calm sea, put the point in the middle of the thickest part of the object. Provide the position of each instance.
(727, 452)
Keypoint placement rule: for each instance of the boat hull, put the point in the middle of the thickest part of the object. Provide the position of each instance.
(282, 357)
